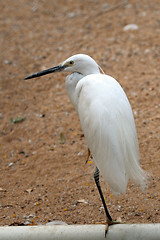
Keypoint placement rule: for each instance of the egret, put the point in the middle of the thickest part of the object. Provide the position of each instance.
(107, 122)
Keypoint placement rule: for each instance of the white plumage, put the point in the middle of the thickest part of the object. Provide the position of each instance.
(107, 122)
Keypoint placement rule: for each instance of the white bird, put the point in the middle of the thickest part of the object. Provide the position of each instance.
(107, 122)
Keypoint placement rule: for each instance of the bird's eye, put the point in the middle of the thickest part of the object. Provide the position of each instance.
(71, 62)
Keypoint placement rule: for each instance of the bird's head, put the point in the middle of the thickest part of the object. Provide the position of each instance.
(80, 63)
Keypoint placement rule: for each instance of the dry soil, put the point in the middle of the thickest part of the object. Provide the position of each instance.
(43, 175)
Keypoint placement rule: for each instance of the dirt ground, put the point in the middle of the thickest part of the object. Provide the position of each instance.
(43, 175)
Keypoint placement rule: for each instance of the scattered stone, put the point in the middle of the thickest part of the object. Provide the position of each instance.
(42, 115)
(58, 86)
(17, 120)
(147, 51)
(7, 62)
(56, 223)
(131, 27)
(12, 153)
(10, 164)
(62, 139)
(80, 154)
(22, 152)
(27, 222)
(32, 216)
(82, 201)
(71, 14)
(105, 5)
(2, 190)
(29, 190)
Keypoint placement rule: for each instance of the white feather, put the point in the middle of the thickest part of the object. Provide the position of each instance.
(108, 125)
(107, 122)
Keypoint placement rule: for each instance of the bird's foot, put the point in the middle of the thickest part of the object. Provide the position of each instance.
(109, 223)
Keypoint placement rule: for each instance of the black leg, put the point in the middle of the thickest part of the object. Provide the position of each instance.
(96, 178)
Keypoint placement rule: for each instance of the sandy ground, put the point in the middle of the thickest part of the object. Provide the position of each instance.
(43, 175)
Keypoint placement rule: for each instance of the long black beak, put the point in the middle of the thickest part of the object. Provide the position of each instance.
(47, 71)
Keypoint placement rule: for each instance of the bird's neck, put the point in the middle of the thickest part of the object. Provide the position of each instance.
(71, 83)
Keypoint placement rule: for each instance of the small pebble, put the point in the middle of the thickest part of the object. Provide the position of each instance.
(71, 14)
(31, 216)
(27, 222)
(56, 223)
(80, 154)
(12, 153)
(147, 51)
(131, 27)
(10, 164)
(58, 86)
(105, 5)
(42, 115)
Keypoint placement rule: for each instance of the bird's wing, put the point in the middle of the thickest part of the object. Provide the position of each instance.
(108, 125)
